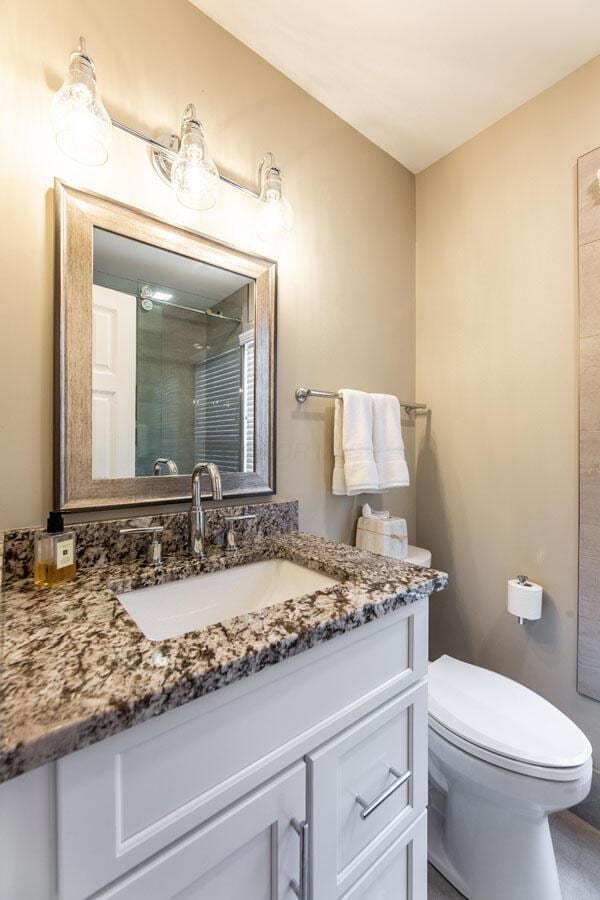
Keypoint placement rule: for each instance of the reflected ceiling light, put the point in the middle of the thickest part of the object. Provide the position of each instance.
(82, 127)
(148, 293)
(276, 216)
(83, 130)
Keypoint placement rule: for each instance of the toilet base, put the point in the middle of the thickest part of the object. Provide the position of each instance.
(491, 870)
(436, 853)
(489, 833)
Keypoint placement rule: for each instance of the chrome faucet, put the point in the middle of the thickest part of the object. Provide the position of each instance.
(169, 464)
(197, 542)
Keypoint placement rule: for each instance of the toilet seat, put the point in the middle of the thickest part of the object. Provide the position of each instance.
(504, 723)
(548, 773)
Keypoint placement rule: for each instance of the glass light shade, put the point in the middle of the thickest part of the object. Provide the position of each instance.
(82, 127)
(275, 216)
(194, 175)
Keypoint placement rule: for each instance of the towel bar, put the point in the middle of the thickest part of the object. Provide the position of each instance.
(302, 395)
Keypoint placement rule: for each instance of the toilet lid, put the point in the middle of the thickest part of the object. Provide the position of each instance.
(502, 716)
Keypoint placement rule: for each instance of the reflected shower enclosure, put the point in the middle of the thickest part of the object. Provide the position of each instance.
(172, 362)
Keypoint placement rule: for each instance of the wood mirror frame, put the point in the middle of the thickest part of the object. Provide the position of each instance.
(77, 213)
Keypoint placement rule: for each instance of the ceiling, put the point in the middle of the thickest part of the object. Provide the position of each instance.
(417, 77)
(198, 284)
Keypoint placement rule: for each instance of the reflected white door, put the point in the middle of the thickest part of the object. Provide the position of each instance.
(113, 383)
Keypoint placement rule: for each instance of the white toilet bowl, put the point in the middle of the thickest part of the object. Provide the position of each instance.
(501, 758)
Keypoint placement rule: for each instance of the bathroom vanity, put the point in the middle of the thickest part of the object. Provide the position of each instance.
(247, 719)
(279, 753)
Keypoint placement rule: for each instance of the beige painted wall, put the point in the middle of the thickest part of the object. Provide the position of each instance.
(346, 279)
(497, 362)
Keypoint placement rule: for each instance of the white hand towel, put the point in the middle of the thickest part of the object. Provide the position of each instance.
(388, 446)
(354, 470)
(339, 479)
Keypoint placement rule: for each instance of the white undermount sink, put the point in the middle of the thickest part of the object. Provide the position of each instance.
(169, 610)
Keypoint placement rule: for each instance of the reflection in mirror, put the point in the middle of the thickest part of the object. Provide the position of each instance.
(172, 362)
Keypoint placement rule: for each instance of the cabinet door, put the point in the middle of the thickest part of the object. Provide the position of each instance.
(252, 850)
(367, 786)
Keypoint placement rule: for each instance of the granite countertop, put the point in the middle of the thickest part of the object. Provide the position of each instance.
(75, 668)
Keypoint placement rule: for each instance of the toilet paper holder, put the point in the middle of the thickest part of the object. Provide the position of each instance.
(524, 599)
(522, 579)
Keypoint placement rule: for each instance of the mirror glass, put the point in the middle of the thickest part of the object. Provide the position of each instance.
(172, 362)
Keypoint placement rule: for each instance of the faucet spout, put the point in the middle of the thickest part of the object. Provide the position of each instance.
(197, 525)
(169, 464)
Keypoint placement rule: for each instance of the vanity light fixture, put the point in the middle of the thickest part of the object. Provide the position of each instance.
(82, 127)
(193, 175)
(83, 130)
(276, 216)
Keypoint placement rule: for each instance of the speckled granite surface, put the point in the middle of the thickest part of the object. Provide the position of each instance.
(99, 543)
(76, 668)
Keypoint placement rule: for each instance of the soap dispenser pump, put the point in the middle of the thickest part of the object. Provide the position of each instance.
(54, 553)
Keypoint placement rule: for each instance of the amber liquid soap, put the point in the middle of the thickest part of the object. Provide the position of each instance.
(54, 554)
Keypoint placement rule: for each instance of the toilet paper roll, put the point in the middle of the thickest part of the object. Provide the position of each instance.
(525, 599)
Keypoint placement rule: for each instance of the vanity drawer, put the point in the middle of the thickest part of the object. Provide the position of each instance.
(127, 797)
(400, 873)
(366, 786)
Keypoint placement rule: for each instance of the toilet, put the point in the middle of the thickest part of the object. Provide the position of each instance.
(418, 556)
(501, 758)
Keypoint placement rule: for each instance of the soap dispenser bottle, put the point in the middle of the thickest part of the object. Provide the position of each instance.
(54, 553)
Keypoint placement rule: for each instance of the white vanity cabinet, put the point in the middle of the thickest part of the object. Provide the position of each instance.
(255, 849)
(401, 872)
(208, 801)
(367, 786)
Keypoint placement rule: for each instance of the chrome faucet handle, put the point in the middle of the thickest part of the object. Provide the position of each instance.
(154, 555)
(230, 538)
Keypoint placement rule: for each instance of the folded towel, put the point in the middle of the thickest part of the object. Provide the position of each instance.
(388, 446)
(339, 479)
(354, 470)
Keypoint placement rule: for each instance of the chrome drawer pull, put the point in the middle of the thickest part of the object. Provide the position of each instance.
(368, 808)
(300, 888)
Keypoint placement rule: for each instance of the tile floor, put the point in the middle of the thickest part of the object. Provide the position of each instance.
(577, 847)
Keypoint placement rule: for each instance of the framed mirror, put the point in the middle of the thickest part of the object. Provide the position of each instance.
(165, 358)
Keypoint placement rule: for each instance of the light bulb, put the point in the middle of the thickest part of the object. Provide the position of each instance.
(194, 175)
(275, 216)
(82, 127)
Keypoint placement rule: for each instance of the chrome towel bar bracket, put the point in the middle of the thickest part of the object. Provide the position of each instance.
(302, 395)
